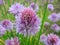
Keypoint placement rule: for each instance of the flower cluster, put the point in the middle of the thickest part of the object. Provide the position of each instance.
(7, 24)
(51, 39)
(34, 6)
(53, 17)
(55, 27)
(16, 8)
(50, 7)
(28, 22)
(12, 41)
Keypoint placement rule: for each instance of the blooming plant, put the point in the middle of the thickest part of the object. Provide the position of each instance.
(29, 23)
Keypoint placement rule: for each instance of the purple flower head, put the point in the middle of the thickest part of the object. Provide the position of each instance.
(34, 6)
(53, 17)
(43, 38)
(16, 8)
(59, 16)
(12, 41)
(55, 27)
(50, 7)
(28, 22)
(52, 39)
(2, 30)
(58, 43)
(7, 24)
(46, 24)
(51, 1)
(1, 2)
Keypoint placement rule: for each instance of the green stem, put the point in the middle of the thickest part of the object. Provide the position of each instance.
(2, 13)
(42, 23)
(1, 41)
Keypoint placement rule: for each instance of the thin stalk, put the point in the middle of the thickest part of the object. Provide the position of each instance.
(13, 1)
(35, 1)
(9, 2)
(5, 9)
(2, 12)
(12, 33)
(7, 33)
(1, 41)
(42, 23)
